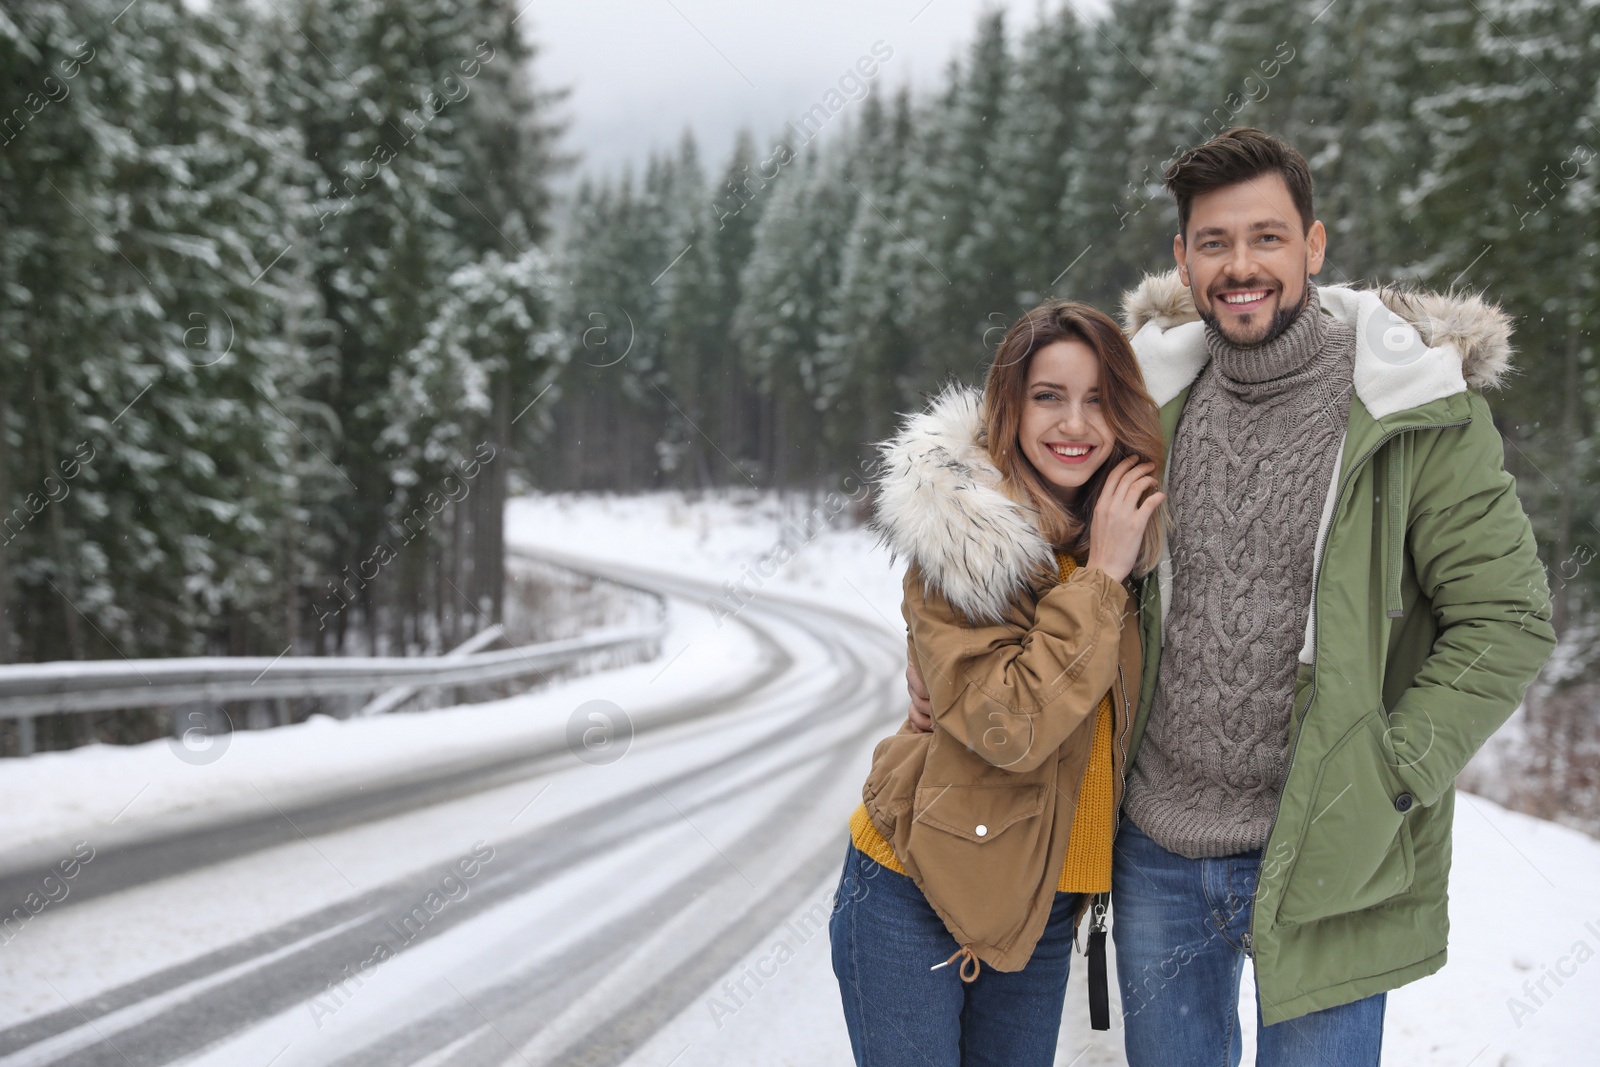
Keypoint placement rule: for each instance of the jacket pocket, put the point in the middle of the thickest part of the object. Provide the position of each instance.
(979, 852)
(1355, 851)
(978, 813)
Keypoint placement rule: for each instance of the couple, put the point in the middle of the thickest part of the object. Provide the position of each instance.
(1201, 624)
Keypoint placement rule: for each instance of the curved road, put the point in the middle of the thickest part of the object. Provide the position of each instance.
(569, 940)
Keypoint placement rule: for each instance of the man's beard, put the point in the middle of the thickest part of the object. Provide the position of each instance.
(1282, 319)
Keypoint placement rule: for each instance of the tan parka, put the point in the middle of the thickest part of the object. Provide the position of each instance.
(1016, 662)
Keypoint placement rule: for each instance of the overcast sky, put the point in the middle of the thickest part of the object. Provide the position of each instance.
(640, 71)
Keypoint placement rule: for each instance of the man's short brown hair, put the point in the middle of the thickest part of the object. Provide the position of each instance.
(1234, 156)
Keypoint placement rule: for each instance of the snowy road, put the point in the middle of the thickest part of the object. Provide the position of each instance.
(516, 906)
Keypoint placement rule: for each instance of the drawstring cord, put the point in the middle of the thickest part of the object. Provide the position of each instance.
(967, 957)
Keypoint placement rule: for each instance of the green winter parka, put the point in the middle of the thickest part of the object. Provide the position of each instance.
(1429, 617)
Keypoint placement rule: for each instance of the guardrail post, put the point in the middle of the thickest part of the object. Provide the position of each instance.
(25, 738)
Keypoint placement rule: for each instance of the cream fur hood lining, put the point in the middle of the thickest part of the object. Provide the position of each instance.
(1411, 347)
(939, 503)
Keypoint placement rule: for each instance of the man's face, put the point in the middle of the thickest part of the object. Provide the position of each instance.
(1246, 260)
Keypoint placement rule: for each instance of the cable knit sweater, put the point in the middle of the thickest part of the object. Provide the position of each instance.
(1251, 462)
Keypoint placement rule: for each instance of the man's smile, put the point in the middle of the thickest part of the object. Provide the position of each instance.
(1242, 300)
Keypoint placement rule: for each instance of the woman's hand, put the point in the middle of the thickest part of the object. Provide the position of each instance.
(1121, 515)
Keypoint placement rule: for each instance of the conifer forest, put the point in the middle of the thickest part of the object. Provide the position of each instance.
(295, 293)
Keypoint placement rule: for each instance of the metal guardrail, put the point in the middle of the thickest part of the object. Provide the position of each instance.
(390, 699)
(29, 689)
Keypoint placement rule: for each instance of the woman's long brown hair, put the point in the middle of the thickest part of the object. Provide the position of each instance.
(1130, 414)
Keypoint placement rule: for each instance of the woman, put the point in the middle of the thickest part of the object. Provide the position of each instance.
(1023, 513)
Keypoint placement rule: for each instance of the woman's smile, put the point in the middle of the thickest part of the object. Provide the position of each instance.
(1070, 453)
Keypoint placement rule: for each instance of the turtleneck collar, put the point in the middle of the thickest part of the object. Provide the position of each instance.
(1280, 357)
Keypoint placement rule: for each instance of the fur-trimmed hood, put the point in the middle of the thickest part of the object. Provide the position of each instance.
(939, 504)
(1411, 347)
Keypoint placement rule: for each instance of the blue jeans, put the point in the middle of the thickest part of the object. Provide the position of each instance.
(886, 937)
(1181, 927)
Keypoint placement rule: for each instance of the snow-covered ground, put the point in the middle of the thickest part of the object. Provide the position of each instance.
(1520, 987)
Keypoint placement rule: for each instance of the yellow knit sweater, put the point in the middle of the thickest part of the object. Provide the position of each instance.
(1088, 864)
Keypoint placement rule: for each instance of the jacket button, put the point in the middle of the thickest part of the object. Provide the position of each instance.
(981, 830)
(1403, 802)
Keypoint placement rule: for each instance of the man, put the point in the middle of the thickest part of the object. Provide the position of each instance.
(1352, 605)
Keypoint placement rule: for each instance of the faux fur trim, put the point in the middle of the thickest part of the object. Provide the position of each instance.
(1411, 346)
(1159, 298)
(939, 503)
(1475, 328)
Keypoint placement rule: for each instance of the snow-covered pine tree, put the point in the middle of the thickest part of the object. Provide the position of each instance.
(737, 204)
(692, 349)
(506, 137)
(1357, 76)
(434, 149)
(870, 335)
(959, 289)
(604, 426)
(1510, 224)
(450, 436)
(1018, 230)
(1237, 64)
(379, 123)
(1119, 220)
(507, 134)
(316, 488)
(55, 292)
(146, 472)
(786, 288)
(165, 347)
(1579, 594)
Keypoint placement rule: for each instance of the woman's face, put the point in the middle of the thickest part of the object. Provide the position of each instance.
(1063, 432)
